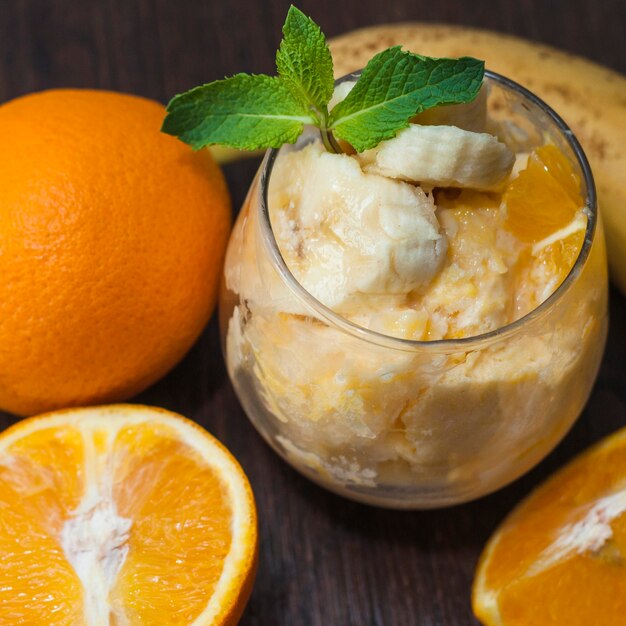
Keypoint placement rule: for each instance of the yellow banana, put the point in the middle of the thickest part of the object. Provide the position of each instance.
(589, 97)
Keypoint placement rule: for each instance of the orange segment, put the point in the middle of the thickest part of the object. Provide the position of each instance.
(543, 208)
(45, 468)
(560, 557)
(544, 197)
(559, 256)
(164, 485)
(39, 486)
(122, 515)
(555, 163)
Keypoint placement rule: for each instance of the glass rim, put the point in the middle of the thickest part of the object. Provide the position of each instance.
(440, 345)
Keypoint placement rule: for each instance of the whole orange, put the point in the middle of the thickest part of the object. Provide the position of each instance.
(112, 237)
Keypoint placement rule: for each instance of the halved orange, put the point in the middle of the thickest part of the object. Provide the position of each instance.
(122, 516)
(560, 557)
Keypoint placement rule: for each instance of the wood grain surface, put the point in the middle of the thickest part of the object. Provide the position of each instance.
(324, 561)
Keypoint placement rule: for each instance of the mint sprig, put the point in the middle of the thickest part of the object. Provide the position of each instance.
(255, 112)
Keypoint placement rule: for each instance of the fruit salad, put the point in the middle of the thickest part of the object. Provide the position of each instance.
(419, 323)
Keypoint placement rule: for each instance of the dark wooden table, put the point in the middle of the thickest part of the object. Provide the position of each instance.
(324, 561)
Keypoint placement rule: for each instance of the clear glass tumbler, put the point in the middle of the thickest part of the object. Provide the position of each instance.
(412, 424)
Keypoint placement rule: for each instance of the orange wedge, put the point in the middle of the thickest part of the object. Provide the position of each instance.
(544, 198)
(122, 516)
(543, 208)
(560, 557)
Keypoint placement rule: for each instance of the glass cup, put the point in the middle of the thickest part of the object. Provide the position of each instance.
(401, 423)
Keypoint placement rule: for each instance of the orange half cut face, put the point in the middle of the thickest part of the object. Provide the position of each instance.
(122, 515)
(560, 557)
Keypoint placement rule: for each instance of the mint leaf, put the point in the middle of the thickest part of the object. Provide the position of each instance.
(396, 85)
(255, 112)
(246, 112)
(304, 61)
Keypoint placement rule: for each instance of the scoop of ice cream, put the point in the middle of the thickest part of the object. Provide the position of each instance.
(346, 234)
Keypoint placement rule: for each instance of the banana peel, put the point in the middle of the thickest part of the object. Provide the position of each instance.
(590, 98)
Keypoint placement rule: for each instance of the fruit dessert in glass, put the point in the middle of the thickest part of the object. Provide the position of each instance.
(418, 324)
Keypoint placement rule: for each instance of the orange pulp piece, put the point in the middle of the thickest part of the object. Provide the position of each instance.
(543, 209)
(544, 198)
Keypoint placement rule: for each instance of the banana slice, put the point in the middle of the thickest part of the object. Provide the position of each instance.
(351, 237)
(441, 156)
